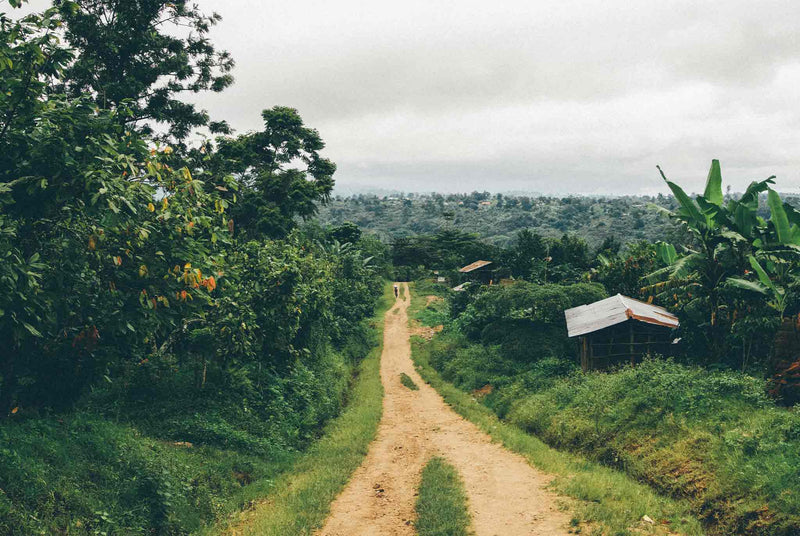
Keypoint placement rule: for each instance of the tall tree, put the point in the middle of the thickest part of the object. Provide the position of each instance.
(145, 54)
(280, 170)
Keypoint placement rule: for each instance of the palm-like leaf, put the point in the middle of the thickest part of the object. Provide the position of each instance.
(713, 192)
(746, 284)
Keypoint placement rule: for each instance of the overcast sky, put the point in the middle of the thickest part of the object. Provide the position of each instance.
(551, 96)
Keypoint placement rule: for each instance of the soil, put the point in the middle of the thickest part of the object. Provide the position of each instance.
(507, 497)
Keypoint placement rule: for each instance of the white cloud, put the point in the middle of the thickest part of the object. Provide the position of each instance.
(557, 95)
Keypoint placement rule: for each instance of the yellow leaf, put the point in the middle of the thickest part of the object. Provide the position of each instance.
(151, 207)
(13, 411)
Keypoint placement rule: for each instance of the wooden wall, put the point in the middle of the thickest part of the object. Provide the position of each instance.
(621, 344)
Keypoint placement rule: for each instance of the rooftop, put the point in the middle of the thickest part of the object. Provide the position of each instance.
(615, 310)
(474, 266)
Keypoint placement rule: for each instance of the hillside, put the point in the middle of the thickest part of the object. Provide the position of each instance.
(497, 217)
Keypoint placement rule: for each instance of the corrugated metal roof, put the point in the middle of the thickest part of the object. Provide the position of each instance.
(461, 287)
(474, 266)
(615, 310)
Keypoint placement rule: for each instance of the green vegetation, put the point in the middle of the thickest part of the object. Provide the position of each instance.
(500, 217)
(173, 338)
(713, 437)
(608, 499)
(442, 502)
(177, 334)
(299, 500)
(406, 380)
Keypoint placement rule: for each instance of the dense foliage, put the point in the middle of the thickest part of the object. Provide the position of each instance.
(165, 288)
(497, 219)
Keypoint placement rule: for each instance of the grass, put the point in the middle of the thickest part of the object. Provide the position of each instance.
(608, 501)
(606, 496)
(86, 472)
(442, 502)
(299, 501)
(406, 380)
(713, 438)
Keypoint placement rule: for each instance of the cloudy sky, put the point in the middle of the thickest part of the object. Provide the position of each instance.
(554, 96)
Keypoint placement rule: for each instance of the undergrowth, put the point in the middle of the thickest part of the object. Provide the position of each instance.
(176, 462)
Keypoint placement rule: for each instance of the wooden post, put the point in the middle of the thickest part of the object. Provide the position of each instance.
(590, 361)
(584, 354)
(630, 328)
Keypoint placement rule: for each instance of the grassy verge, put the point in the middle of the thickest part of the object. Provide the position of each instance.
(442, 502)
(299, 500)
(406, 380)
(606, 497)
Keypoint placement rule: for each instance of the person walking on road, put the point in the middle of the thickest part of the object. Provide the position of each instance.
(396, 290)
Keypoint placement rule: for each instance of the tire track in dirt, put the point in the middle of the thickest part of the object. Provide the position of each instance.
(506, 495)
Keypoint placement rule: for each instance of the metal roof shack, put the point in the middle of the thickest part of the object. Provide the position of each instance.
(474, 266)
(478, 272)
(619, 329)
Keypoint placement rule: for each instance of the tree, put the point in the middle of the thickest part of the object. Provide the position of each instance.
(724, 236)
(529, 247)
(143, 54)
(347, 233)
(273, 193)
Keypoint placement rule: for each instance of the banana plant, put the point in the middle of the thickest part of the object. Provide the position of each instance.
(777, 296)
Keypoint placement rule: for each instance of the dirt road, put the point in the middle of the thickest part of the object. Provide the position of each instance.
(506, 495)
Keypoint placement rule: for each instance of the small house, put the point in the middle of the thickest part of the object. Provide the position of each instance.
(478, 271)
(619, 330)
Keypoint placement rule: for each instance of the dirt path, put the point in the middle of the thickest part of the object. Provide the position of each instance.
(506, 495)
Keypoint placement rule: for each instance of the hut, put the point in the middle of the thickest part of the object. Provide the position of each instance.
(619, 330)
(478, 271)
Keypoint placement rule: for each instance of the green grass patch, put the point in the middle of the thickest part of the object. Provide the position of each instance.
(428, 312)
(442, 502)
(406, 380)
(605, 497)
(299, 501)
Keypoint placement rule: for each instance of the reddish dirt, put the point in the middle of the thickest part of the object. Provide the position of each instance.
(506, 495)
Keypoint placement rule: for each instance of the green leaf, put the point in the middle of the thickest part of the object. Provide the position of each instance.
(666, 252)
(713, 193)
(32, 330)
(688, 209)
(779, 218)
(763, 276)
(733, 236)
(745, 284)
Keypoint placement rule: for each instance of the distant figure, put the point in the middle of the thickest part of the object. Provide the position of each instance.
(396, 291)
